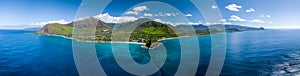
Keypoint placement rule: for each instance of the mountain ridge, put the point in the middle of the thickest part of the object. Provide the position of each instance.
(143, 30)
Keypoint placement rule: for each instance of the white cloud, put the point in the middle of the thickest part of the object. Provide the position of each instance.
(161, 21)
(111, 19)
(214, 7)
(140, 8)
(136, 10)
(268, 16)
(173, 14)
(233, 7)
(265, 16)
(166, 14)
(227, 23)
(148, 14)
(187, 23)
(132, 12)
(158, 20)
(193, 23)
(190, 23)
(62, 21)
(250, 10)
(236, 18)
(270, 22)
(257, 21)
(223, 20)
(188, 15)
(175, 24)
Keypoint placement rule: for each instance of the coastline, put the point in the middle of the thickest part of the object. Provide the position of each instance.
(153, 46)
(94, 41)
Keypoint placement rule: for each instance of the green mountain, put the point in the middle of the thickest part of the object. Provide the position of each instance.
(56, 29)
(142, 30)
(153, 30)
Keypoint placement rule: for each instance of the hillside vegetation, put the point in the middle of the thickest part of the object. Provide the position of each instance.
(142, 30)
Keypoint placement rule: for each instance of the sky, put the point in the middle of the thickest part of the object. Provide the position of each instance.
(255, 13)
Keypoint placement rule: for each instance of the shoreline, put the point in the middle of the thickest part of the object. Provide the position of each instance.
(94, 41)
(117, 41)
(143, 44)
(153, 46)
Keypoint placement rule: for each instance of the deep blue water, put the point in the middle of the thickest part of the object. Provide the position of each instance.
(251, 53)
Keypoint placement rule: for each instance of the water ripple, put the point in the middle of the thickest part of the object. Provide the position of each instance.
(291, 67)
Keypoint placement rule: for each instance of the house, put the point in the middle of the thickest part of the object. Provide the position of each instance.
(141, 40)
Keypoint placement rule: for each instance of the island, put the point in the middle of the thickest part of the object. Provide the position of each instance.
(145, 31)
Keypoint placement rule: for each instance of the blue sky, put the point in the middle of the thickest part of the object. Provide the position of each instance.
(266, 13)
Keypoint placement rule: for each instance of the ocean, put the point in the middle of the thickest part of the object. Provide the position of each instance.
(249, 53)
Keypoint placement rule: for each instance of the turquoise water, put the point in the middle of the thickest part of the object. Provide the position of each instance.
(269, 52)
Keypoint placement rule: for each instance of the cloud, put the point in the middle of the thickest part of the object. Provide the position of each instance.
(166, 14)
(161, 21)
(188, 15)
(233, 7)
(148, 14)
(214, 7)
(132, 12)
(175, 24)
(223, 20)
(136, 10)
(270, 22)
(158, 20)
(250, 10)
(257, 21)
(268, 16)
(111, 19)
(265, 16)
(140, 8)
(236, 18)
(187, 23)
(61, 21)
(227, 23)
